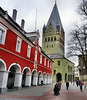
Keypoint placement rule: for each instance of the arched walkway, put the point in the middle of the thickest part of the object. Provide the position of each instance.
(34, 77)
(26, 77)
(50, 78)
(47, 78)
(14, 77)
(44, 78)
(3, 76)
(2, 65)
(40, 78)
(58, 77)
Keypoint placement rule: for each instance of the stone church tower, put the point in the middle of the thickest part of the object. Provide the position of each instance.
(53, 34)
(53, 43)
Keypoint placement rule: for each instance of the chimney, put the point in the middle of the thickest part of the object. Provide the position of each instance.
(22, 24)
(14, 14)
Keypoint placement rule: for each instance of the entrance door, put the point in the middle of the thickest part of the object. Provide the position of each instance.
(59, 77)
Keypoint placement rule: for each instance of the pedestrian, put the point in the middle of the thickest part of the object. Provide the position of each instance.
(67, 85)
(81, 85)
(56, 89)
(77, 83)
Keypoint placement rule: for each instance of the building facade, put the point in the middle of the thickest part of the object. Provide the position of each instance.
(53, 43)
(22, 62)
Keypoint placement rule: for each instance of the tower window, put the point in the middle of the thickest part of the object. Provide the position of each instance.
(58, 63)
(47, 46)
(48, 39)
(58, 28)
(55, 38)
(51, 38)
(52, 45)
(45, 39)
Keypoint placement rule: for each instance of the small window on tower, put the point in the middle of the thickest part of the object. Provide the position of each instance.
(58, 28)
(58, 63)
(48, 39)
(51, 38)
(45, 39)
(55, 38)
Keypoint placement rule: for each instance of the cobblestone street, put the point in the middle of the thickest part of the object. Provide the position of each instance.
(45, 93)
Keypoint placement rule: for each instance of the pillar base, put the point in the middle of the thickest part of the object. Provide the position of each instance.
(3, 90)
(17, 88)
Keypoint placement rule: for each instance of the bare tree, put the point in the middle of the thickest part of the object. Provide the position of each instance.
(82, 9)
(78, 44)
(78, 41)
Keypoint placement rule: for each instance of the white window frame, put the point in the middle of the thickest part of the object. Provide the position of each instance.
(4, 30)
(18, 49)
(48, 63)
(45, 62)
(40, 59)
(35, 55)
(29, 51)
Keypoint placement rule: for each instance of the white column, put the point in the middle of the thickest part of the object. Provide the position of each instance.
(44, 80)
(28, 80)
(18, 80)
(35, 79)
(3, 81)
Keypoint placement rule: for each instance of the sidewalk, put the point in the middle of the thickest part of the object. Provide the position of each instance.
(45, 92)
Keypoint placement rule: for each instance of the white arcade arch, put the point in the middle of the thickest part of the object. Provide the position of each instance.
(2, 65)
(15, 76)
(26, 77)
(34, 77)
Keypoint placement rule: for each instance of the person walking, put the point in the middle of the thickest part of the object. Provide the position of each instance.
(67, 85)
(81, 85)
(77, 83)
(56, 89)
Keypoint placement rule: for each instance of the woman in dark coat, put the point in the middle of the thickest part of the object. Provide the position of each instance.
(56, 89)
(67, 85)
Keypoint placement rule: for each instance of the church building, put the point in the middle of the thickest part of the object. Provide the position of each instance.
(53, 43)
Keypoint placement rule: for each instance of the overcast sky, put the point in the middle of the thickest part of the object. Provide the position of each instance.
(26, 9)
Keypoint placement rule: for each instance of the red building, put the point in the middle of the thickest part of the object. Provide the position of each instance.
(22, 61)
